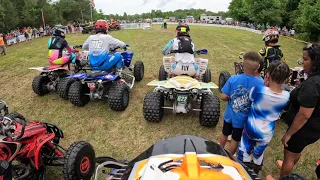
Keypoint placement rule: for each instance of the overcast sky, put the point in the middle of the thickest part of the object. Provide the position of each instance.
(141, 6)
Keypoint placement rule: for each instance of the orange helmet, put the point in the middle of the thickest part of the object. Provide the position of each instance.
(271, 35)
(101, 26)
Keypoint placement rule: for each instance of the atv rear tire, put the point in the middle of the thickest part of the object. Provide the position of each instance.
(293, 176)
(79, 161)
(118, 97)
(153, 107)
(163, 75)
(207, 76)
(63, 87)
(223, 78)
(76, 94)
(138, 70)
(39, 85)
(210, 110)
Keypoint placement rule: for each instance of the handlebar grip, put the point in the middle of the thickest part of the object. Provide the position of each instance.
(22, 132)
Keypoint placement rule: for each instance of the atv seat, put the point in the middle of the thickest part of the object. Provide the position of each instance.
(55, 67)
(97, 73)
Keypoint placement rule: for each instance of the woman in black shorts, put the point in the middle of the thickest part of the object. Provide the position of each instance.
(304, 114)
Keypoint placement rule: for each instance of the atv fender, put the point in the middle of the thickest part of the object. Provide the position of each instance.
(41, 141)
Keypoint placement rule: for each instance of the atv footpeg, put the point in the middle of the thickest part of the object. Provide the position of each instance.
(129, 79)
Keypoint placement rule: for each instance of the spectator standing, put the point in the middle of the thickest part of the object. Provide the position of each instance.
(2, 45)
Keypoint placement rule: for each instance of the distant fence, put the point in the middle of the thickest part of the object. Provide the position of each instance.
(219, 25)
(135, 26)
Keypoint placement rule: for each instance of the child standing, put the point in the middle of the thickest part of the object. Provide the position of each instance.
(236, 91)
(267, 103)
(271, 52)
(2, 45)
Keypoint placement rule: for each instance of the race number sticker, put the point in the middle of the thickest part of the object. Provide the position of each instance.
(96, 44)
(182, 98)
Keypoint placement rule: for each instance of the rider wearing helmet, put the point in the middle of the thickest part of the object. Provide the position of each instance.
(99, 46)
(271, 52)
(56, 44)
(185, 51)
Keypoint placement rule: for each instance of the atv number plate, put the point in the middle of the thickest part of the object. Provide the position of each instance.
(92, 86)
(182, 99)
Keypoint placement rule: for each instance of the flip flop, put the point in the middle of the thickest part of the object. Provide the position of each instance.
(269, 177)
(279, 163)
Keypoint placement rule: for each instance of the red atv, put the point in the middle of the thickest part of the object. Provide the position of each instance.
(114, 26)
(26, 148)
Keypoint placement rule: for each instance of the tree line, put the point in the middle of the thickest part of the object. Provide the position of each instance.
(303, 15)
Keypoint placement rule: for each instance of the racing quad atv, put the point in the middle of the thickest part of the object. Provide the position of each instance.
(297, 76)
(111, 85)
(114, 26)
(181, 157)
(53, 78)
(165, 71)
(238, 69)
(27, 148)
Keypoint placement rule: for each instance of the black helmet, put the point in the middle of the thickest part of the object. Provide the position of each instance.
(59, 30)
(183, 30)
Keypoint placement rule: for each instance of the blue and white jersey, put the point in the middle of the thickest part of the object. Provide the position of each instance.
(265, 110)
(237, 88)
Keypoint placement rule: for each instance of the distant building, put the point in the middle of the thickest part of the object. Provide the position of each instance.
(210, 19)
(172, 19)
(189, 19)
(157, 19)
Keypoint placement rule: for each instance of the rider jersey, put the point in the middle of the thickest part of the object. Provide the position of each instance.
(271, 53)
(184, 49)
(99, 46)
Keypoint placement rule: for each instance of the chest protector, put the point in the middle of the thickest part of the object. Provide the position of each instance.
(56, 43)
(185, 45)
(273, 54)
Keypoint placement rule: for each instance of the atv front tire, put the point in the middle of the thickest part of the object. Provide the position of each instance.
(223, 78)
(153, 107)
(210, 110)
(138, 70)
(207, 76)
(293, 176)
(63, 87)
(79, 161)
(118, 97)
(77, 95)
(163, 75)
(39, 85)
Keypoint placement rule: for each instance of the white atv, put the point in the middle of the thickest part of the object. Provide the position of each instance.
(186, 94)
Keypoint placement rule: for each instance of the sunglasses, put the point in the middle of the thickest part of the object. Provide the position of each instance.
(310, 46)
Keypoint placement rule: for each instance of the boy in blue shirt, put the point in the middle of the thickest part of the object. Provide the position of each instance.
(236, 92)
(267, 103)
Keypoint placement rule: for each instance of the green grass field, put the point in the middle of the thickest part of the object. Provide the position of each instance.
(126, 134)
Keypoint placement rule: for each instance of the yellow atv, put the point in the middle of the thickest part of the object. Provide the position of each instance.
(186, 94)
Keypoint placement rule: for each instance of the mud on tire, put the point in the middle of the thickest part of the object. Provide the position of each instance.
(76, 94)
(79, 161)
(210, 110)
(163, 75)
(207, 76)
(223, 78)
(39, 85)
(138, 70)
(63, 87)
(152, 107)
(118, 97)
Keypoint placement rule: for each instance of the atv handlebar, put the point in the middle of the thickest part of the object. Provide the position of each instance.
(201, 51)
(113, 50)
(77, 46)
(4, 110)
(8, 127)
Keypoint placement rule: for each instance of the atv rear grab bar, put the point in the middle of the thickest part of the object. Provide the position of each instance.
(102, 165)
